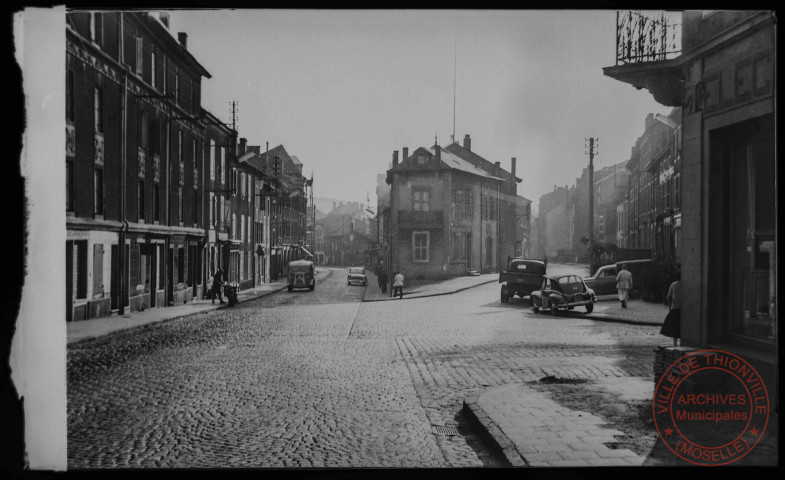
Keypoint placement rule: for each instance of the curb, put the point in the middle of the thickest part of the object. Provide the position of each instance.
(430, 295)
(162, 321)
(498, 442)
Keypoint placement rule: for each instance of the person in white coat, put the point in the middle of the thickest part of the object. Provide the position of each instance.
(623, 284)
(398, 285)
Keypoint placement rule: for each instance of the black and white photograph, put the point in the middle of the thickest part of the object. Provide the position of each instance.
(329, 240)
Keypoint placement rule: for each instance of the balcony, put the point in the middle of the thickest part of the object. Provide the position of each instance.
(418, 219)
(648, 50)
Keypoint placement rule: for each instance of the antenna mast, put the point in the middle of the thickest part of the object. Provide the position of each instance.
(454, 76)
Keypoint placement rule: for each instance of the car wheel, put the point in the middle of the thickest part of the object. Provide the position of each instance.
(505, 297)
(535, 309)
(289, 288)
(589, 308)
(312, 287)
(554, 310)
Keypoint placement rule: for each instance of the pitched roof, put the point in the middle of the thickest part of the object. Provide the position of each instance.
(475, 159)
(448, 160)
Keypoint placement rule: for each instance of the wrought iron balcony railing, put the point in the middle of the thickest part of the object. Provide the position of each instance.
(646, 37)
(414, 218)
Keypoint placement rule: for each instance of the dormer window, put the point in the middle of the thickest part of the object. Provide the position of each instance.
(422, 159)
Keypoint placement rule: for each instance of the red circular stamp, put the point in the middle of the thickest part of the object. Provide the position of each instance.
(710, 407)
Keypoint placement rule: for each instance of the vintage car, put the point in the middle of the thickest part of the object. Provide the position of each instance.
(562, 292)
(603, 282)
(301, 275)
(357, 275)
(521, 277)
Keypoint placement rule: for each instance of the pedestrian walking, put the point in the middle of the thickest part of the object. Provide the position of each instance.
(671, 327)
(398, 285)
(623, 284)
(217, 286)
(383, 280)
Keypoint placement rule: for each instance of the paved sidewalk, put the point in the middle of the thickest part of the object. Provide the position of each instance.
(608, 309)
(531, 429)
(85, 330)
(453, 285)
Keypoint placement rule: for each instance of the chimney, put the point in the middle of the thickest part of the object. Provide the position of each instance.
(438, 150)
(405, 154)
(395, 157)
(183, 38)
(512, 166)
(333, 205)
(497, 171)
(554, 188)
(164, 17)
(243, 141)
(467, 142)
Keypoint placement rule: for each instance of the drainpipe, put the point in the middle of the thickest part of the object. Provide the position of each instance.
(122, 294)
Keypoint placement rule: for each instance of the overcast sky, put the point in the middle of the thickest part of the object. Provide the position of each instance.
(342, 89)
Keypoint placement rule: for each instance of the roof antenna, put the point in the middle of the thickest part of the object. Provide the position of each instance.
(454, 76)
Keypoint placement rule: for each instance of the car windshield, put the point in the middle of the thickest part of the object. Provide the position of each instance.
(300, 268)
(535, 268)
(356, 271)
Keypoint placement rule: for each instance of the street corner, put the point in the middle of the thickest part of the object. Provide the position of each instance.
(490, 426)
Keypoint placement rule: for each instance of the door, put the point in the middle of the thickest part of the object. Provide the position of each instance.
(69, 281)
(115, 281)
(154, 274)
(170, 277)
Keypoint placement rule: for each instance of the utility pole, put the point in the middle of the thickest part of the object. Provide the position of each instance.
(593, 143)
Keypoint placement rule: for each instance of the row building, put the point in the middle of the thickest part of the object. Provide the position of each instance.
(159, 192)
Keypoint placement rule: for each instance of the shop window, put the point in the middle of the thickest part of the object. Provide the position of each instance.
(753, 252)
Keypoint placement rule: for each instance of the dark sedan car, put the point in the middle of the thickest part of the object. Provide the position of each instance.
(603, 282)
(562, 292)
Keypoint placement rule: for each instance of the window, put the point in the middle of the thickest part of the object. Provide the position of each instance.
(139, 54)
(223, 165)
(140, 195)
(177, 87)
(242, 185)
(422, 159)
(70, 184)
(420, 244)
(97, 28)
(141, 132)
(180, 147)
(234, 225)
(69, 95)
(155, 138)
(98, 109)
(195, 209)
(153, 81)
(181, 208)
(156, 203)
(461, 204)
(459, 246)
(242, 227)
(212, 159)
(98, 191)
(235, 185)
(421, 200)
(212, 209)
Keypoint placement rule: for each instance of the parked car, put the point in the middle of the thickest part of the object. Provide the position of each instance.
(521, 277)
(562, 292)
(642, 271)
(301, 275)
(603, 282)
(357, 275)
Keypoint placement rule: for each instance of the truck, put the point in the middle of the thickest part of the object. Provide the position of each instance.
(521, 277)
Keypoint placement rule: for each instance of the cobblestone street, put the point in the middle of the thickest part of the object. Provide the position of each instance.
(319, 379)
